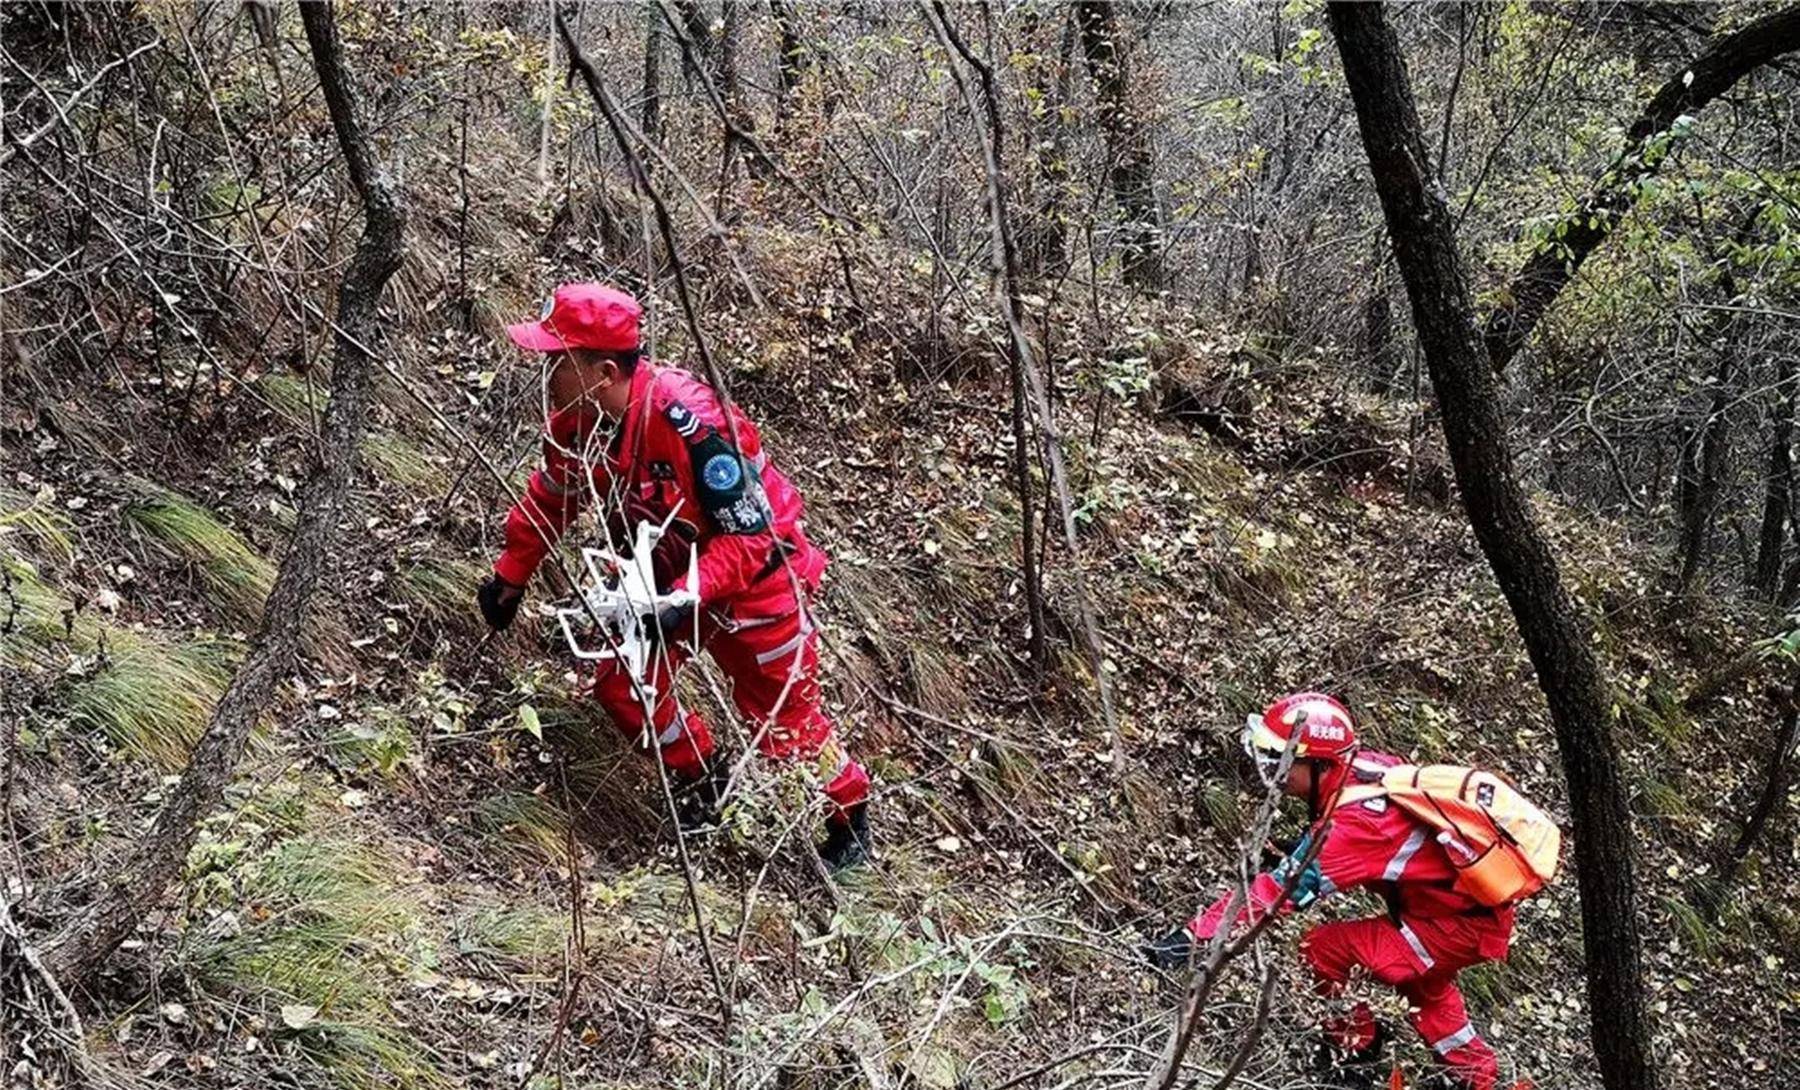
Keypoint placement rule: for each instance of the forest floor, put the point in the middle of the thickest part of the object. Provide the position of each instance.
(408, 858)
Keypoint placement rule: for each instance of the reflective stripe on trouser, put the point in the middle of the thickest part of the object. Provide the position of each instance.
(1401, 958)
(773, 667)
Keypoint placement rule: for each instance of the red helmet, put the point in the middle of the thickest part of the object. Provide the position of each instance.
(1327, 730)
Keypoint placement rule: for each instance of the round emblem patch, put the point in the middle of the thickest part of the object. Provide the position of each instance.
(549, 305)
(722, 472)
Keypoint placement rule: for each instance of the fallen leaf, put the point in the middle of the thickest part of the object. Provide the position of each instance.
(297, 1016)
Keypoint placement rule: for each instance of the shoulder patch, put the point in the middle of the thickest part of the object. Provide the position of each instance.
(687, 425)
(722, 472)
(729, 487)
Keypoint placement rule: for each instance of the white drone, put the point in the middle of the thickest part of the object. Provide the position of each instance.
(620, 596)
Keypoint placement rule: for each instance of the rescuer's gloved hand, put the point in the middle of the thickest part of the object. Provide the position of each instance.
(670, 556)
(669, 622)
(499, 601)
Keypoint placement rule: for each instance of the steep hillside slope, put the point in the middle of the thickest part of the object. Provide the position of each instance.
(440, 868)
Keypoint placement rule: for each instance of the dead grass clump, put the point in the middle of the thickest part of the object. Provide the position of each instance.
(235, 576)
(401, 462)
(294, 397)
(524, 825)
(334, 915)
(152, 697)
(33, 519)
(442, 589)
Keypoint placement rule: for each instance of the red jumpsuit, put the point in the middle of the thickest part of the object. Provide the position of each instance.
(675, 451)
(1428, 935)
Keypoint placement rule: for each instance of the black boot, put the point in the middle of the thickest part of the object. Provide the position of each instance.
(1172, 951)
(1358, 1069)
(847, 841)
(697, 801)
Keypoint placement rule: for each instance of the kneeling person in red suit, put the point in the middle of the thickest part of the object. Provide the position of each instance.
(1431, 930)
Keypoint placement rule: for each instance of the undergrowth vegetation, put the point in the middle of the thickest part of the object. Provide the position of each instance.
(440, 865)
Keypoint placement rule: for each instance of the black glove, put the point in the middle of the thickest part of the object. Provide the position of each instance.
(499, 601)
(1172, 951)
(668, 622)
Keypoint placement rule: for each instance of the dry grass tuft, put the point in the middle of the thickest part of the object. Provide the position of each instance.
(236, 577)
(152, 697)
(442, 588)
(337, 921)
(401, 462)
(32, 518)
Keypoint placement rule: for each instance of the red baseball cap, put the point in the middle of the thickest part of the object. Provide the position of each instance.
(582, 316)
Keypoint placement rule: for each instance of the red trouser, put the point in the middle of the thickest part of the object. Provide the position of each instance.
(773, 663)
(1419, 958)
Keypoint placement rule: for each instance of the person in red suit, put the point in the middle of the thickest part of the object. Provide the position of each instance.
(650, 442)
(1429, 933)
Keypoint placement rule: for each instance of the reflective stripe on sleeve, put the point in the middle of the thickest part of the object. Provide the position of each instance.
(1397, 865)
(1445, 1045)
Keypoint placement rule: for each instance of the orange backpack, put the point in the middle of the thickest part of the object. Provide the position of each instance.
(1503, 847)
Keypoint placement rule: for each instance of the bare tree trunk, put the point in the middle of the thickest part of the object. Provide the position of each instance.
(738, 119)
(543, 162)
(1700, 497)
(1774, 790)
(1378, 324)
(1130, 165)
(1555, 631)
(1022, 355)
(699, 32)
(1778, 483)
(652, 115)
(1045, 245)
(1546, 272)
(792, 61)
(82, 943)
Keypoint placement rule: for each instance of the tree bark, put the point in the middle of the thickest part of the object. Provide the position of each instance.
(1018, 350)
(792, 60)
(1700, 501)
(1775, 785)
(1555, 631)
(1545, 273)
(651, 121)
(1044, 245)
(1778, 483)
(1130, 165)
(82, 943)
(699, 33)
